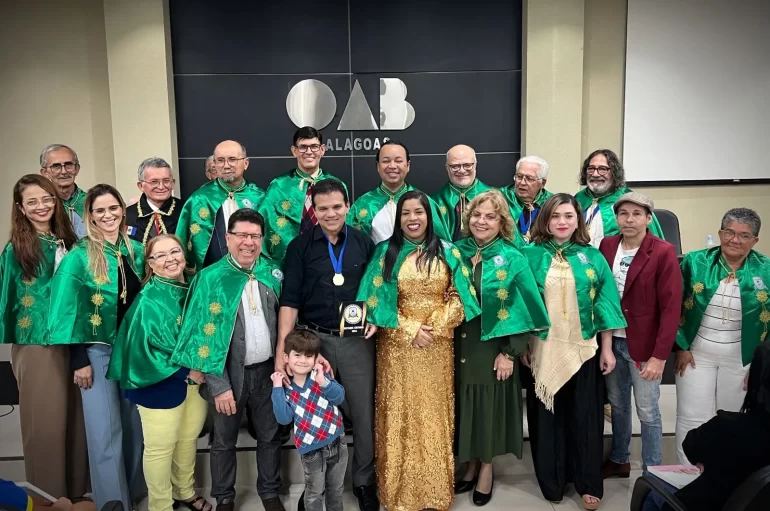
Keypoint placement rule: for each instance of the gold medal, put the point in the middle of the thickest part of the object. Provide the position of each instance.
(338, 279)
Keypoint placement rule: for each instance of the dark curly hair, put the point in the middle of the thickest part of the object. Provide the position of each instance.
(618, 174)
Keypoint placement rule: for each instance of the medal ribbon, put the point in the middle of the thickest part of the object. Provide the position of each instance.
(337, 261)
(524, 226)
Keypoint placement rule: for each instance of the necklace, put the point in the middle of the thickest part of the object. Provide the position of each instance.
(563, 267)
(249, 284)
(463, 201)
(392, 195)
(232, 191)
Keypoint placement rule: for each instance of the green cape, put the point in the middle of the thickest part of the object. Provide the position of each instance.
(24, 303)
(84, 309)
(211, 309)
(141, 355)
(510, 303)
(448, 197)
(282, 209)
(381, 297)
(517, 206)
(702, 272)
(196, 220)
(366, 207)
(76, 203)
(587, 200)
(597, 294)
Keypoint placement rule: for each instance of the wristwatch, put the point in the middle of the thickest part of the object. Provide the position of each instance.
(508, 356)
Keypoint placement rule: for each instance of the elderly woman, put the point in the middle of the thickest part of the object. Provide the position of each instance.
(724, 318)
(487, 385)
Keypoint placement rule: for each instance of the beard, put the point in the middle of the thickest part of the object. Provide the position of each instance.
(599, 187)
(228, 178)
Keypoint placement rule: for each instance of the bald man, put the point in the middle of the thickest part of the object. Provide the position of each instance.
(462, 187)
(203, 220)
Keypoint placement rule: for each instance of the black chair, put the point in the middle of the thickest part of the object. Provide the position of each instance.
(670, 225)
(752, 495)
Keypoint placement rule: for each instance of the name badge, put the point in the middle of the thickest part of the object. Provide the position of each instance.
(759, 283)
(582, 257)
(352, 318)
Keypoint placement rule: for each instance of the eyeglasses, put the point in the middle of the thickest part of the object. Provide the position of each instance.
(305, 148)
(48, 200)
(527, 180)
(220, 162)
(242, 236)
(743, 237)
(69, 166)
(463, 166)
(103, 211)
(162, 257)
(601, 170)
(155, 183)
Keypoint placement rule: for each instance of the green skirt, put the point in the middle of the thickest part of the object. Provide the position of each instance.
(489, 416)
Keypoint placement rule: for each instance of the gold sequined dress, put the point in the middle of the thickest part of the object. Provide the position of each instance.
(414, 412)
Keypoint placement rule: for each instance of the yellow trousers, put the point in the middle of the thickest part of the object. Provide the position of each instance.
(170, 438)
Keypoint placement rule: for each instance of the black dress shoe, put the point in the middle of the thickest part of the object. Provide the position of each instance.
(301, 503)
(273, 504)
(463, 486)
(367, 498)
(482, 499)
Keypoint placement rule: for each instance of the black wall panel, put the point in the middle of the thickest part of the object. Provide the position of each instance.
(236, 61)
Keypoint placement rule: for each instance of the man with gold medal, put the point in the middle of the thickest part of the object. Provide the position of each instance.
(229, 334)
(462, 187)
(204, 217)
(287, 206)
(324, 268)
(527, 194)
(374, 213)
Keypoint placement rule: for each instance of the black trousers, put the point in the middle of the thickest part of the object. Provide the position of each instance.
(567, 445)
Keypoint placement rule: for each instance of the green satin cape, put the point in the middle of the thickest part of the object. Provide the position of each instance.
(517, 206)
(365, 208)
(76, 203)
(381, 297)
(211, 309)
(597, 294)
(24, 303)
(510, 303)
(141, 355)
(701, 274)
(196, 220)
(84, 309)
(282, 209)
(448, 197)
(586, 200)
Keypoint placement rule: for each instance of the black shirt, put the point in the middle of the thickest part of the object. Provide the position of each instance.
(308, 274)
(142, 228)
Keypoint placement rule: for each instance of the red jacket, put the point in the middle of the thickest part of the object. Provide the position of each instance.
(652, 298)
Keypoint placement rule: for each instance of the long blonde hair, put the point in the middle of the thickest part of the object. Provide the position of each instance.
(501, 207)
(97, 261)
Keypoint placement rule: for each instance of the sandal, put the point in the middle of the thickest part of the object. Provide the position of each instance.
(591, 505)
(191, 504)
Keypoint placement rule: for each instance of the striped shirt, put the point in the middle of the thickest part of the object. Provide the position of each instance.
(721, 321)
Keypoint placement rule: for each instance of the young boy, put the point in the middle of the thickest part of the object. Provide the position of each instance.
(311, 402)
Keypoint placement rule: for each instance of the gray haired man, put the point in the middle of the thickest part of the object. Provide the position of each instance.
(59, 164)
(211, 168)
(157, 211)
(527, 193)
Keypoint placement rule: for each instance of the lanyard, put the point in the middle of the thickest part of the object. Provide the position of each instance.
(337, 261)
(593, 213)
(524, 226)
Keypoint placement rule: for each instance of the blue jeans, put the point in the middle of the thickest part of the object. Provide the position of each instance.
(620, 381)
(325, 476)
(114, 436)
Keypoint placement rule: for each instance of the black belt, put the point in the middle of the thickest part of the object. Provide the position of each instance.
(254, 366)
(320, 329)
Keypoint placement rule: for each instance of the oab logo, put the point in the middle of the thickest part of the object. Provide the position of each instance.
(312, 103)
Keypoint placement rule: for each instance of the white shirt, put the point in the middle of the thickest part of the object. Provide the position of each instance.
(257, 334)
(722, 319)
(620, 267)
(384, 222)
(596, 229)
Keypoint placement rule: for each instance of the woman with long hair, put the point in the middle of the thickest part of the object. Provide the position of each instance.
(565, 412)
(488, 390)
(166, 396)
(52, 430)
(91, 292)
(417, 290)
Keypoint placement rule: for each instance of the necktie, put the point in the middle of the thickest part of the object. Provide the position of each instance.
(308, 213)
(157, 223)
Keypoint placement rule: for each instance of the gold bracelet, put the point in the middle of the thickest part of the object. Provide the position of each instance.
(509, 357)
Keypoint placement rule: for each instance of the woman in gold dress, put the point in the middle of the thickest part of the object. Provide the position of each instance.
(417, 293)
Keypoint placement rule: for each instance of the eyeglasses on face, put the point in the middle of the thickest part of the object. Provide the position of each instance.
(527, 180)
(461, 166)
(305, 148)
(601, 170)
(155, 183)
(100, 212)
(729, 234)
(232, 160)
(48, 200)
(69, 166)
(243, 236)
(161, 257)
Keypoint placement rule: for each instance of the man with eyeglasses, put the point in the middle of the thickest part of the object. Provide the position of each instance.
(157, 211)
(203, 220)
(211, 168)
(462, 187)
(229, 333)
(527, 193)
(287, 207)
(374, 213)
(59, 163)
(605, 181)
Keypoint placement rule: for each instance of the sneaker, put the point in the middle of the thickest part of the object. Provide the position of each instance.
(273, 504)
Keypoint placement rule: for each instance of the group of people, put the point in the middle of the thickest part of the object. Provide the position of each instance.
(236, 299)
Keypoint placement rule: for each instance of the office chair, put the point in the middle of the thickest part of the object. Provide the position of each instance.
(670, 225)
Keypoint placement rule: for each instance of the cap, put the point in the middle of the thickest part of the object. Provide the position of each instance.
(635, 197)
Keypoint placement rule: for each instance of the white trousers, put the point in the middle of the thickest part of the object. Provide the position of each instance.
(716, 383)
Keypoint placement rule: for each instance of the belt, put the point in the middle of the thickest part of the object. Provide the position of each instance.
(320, 329)
(254, 366)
